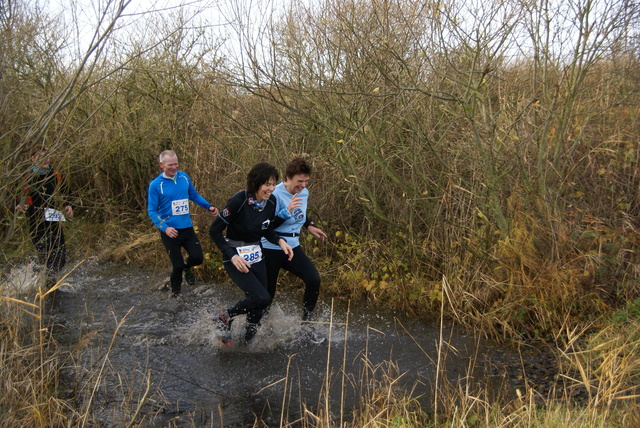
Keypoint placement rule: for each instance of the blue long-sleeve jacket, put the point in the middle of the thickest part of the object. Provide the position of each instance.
(168, 201)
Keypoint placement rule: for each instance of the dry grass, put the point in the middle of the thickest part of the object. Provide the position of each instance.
(30, 362)
(606, 364)
(33, 366)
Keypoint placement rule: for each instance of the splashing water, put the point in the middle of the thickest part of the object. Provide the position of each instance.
(22, 280)
(120, 318)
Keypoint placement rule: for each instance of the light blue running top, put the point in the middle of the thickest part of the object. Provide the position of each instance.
(295, 222)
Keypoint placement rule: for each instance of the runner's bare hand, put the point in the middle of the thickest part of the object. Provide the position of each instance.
(240, 263)
(171, 232)
(318, 233)
(294, 203)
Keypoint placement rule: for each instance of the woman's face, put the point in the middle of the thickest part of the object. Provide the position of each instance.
(266, 190)
(297, 183)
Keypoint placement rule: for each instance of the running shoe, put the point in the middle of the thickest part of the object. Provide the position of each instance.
(223, 325)
(317, 338)
(250, 332)
(164, 286)
(309, 333)
(189, 276)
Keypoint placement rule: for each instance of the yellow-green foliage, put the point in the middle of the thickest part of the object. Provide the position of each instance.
(378, 271)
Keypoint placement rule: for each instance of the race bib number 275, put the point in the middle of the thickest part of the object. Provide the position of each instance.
(180, 207)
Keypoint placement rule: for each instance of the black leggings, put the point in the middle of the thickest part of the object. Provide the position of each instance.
(188, 240)
(301, 266)
(254, 285)
(48, 238)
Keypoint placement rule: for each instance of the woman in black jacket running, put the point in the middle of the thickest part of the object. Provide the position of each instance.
(248, 216)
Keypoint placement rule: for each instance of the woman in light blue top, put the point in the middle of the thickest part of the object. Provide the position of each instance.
(292, 196)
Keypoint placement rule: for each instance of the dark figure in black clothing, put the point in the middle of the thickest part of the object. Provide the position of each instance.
(44, 193)
(248, 216)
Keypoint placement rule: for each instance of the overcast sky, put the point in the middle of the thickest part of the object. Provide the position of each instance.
(222, 17)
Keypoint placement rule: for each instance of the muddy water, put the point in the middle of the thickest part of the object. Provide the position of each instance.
(123, 327)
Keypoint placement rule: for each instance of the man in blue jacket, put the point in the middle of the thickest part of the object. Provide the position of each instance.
(168, 208)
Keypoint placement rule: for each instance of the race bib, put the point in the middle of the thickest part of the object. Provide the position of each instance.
(53, 215)
(180, 207)
(251, 253)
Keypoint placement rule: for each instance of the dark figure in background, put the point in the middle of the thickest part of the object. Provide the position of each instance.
(292, 196)
(248, 216)
(168, 208)
(45, 191)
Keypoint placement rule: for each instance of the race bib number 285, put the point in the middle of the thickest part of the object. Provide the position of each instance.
(251, 253)
(53, 215)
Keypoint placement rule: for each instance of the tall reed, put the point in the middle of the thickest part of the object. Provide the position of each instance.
(46, 385)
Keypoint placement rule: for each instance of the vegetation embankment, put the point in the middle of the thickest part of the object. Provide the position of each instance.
(485, 166)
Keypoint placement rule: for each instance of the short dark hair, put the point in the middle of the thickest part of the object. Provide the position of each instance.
(260, 174)
(297, 166)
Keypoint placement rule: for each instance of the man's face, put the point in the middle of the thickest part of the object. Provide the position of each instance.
(297, 183)
(170, 166)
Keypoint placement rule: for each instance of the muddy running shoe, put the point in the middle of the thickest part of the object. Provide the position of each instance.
(310, 333)
(189, 276)
(316, 338)
(164, 286)
(175, 291)
(250, 332)
(223, 325)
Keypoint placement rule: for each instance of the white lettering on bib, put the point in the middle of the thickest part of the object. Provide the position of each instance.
(180, 207)
(53, 215)
(251, 253)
